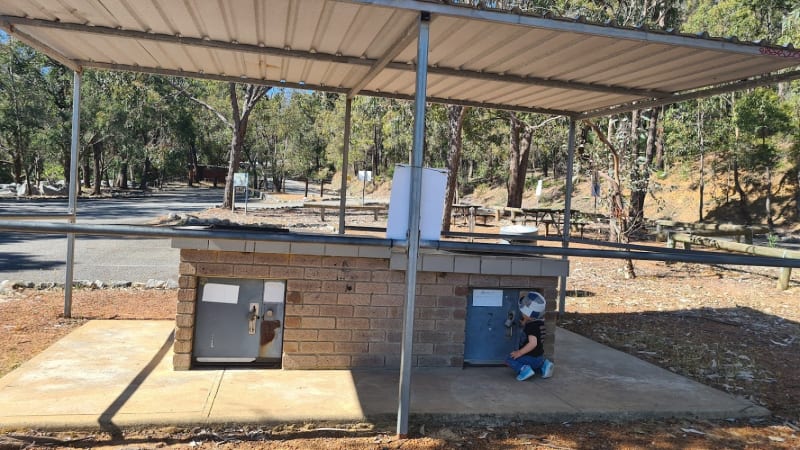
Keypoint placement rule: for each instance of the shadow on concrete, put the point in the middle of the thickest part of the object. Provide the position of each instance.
(740, 350)
(106, 419)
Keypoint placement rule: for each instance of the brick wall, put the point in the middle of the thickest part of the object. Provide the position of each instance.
(346, 311)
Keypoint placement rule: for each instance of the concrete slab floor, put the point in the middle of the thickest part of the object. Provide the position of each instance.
(114, 374)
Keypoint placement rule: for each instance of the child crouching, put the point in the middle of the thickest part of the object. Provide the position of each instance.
(529, 358)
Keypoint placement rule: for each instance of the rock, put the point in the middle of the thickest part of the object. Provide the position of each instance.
(155, 284)
(120, 284)
(45, 285)
(98, 284)
(82, 284)
(171, 284)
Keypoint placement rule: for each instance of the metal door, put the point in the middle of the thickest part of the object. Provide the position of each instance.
(238, 321)
(492, 326)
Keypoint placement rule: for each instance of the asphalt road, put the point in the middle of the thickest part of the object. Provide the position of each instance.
(42, 258)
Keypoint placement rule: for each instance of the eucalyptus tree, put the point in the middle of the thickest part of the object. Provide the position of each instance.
(23, 111)
(232, 104)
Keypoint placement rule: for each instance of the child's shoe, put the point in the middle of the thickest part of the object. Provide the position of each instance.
(547, 369)
(525, 373)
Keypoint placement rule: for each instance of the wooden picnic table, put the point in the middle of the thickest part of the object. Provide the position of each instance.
(374, 207)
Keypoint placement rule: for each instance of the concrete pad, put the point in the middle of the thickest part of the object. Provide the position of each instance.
(111, 374)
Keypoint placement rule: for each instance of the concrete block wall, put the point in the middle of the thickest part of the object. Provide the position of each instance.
(347, 311)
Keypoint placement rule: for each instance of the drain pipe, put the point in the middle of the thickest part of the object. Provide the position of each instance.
(345, 154)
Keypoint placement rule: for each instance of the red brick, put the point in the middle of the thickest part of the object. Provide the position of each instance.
(368, 336)
(290, 347)
(320, 298)
(352, 323)
(398, 276)
(381, 276)
(212, 269)
(354, 275)
(193, 255)
(482, 281)
(351, 347)
(423, 301)
(302, 310)
(371, 288)
(370, 311)
(436, 313)
(426, 277)
(316, 347)
(367, 360)
(286, 272)
(187, 295)
(291, 322)
(388, 300)
(303, 285)
(184, 334)
(316, 273)
(292, 361)
(186, 268)
(333, 362)
(235, 257)
(186, 307)
(305, 260)
(187, 282)
(334, 335)
(423, 349)
(448, 349)
(299, 335)
(453, 278)
(433, 336)
(461, 290)
(271, 259)
(184, 320)
(318, 323)
(337, 286)
(181, 361)
(251, 271)
(336, 311)
(353, 299)
(425, 324)
(384, 347)
(436, 289)
(451, 302)
(294, 297)
(182, 347)
(386, 324)
(448, 325)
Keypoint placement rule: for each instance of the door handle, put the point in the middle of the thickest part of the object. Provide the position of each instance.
(252, 318)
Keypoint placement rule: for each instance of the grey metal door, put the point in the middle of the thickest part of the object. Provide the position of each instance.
(492, 326)
(234, 318)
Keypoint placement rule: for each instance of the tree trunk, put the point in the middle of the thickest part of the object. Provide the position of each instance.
(97, 152)
(455, 120)
(519, 154)
(192, 163)
(239, 121)
(768, 205)
(744, 213)
(659, 158)
(122, 177)
(145, 173)
(642, 181)
(87, 172)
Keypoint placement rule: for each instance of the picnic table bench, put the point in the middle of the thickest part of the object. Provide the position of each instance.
(374, 207)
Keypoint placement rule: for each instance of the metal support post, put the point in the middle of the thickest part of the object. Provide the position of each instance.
(73, 190)
(562, 287)
(345, 163)
(413, 225)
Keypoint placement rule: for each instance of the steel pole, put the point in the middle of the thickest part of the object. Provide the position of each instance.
(73, 190)
(413, 225)
(345, 163)
(562, 286)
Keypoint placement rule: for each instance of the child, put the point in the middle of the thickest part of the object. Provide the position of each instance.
(530, 355)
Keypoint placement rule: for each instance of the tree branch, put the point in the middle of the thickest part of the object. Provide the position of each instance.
(203, 104)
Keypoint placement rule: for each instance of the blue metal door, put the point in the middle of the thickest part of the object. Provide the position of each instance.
(492, 326)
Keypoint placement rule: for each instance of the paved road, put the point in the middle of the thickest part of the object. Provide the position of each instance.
(41, 258)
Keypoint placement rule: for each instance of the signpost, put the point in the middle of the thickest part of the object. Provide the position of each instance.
(240, 179)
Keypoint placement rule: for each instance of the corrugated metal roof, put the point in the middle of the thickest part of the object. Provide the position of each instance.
(476, 56)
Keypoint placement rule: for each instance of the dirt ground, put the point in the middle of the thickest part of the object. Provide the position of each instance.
(727, 327)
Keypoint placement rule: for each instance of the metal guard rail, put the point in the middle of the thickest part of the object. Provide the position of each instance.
(641, 252)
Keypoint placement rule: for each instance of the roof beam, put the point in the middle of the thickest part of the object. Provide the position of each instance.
(569, 25)
(183, 40)
(335, 90)
(377, 65)
(559, 84)
(38, 45)
(695, 94)
(405, 40)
